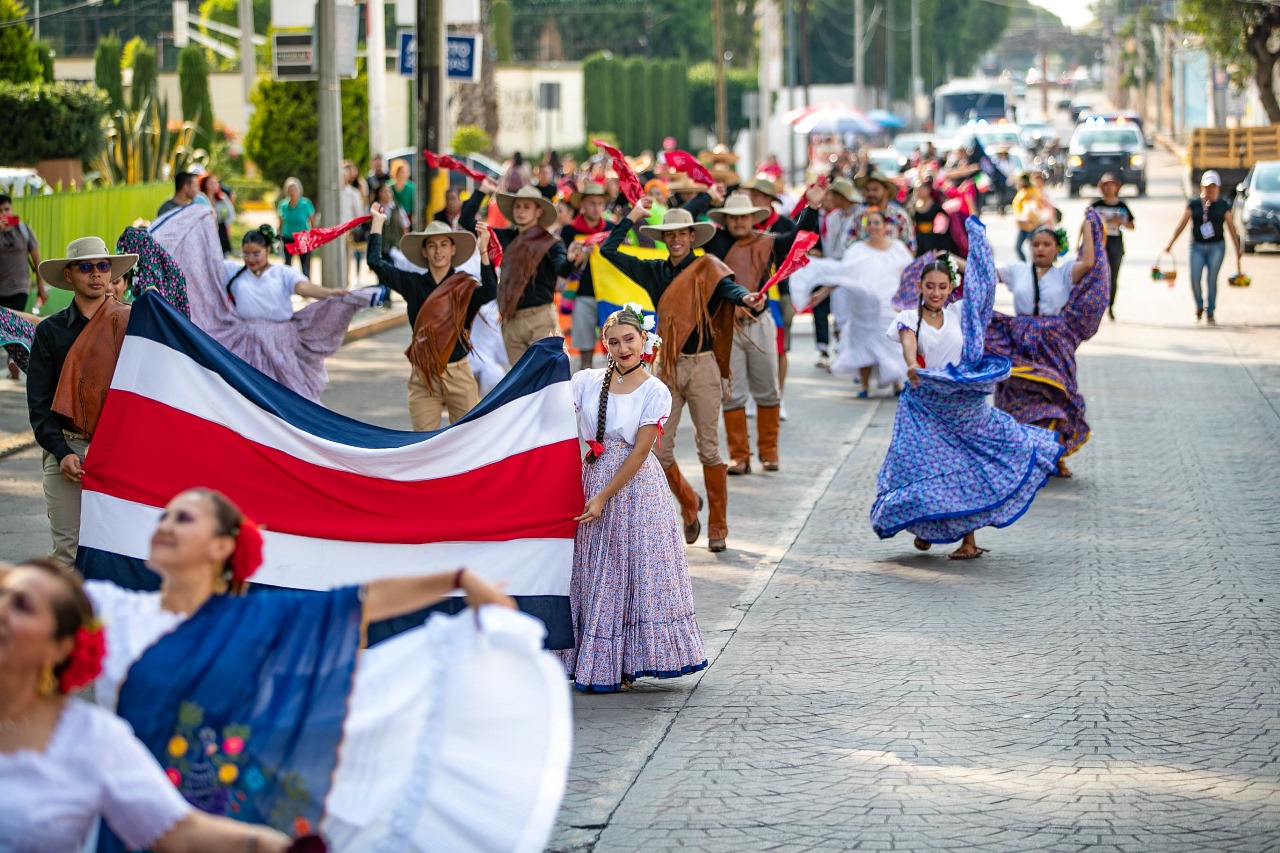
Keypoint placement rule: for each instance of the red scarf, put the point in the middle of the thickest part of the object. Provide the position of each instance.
(768, 222)
(580, 225)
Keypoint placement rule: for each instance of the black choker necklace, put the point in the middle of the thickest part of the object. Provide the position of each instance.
(623, 373)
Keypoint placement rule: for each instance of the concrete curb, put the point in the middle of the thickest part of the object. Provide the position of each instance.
(20, 441)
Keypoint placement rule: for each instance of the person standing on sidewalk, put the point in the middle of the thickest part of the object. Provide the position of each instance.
(297, 213)
(185, 190)
(589, 220)
(441, 304)
(1209, 216)
(19, 257)
(73, 356)
(630, 573)
(695, 299)
(532, 261)
(752, 255)
(1116, 216)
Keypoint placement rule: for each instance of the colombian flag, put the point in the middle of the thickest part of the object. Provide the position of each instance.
(613, 289)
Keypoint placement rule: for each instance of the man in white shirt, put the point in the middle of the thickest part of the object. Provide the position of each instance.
(837, 234)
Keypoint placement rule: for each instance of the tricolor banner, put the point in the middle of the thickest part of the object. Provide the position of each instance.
(614, 289)
(342, 502)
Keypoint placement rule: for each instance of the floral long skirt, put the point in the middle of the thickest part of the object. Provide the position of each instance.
(631, 597)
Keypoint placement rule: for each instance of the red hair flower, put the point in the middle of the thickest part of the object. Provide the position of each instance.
(247, 557)
(85, 661)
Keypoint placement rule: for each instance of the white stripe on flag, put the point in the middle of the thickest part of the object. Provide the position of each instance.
(159, 373)
(528, 566)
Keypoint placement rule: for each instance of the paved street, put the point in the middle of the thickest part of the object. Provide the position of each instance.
(1104, 679)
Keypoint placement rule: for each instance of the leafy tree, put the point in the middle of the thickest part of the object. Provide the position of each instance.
(500, 28)
(469, 139)
(19, 59)
(282, 137)
(228, 12)
(144, 77)
(46, 121)
(106, 69)
(599, 94)
(640, 128)
(193, 85)
(702, 97)
(1240, 33)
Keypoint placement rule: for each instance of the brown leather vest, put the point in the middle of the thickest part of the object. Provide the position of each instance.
(519, 265)
(751, 259)
(91, 362)
(683, 311)
(441, 323)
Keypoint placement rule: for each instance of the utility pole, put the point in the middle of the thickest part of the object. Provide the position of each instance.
(917, 85)
(722, 105)
(1043, 51)
(429, 71)
(248, 59)
(329, 114)
(889, 38)
(805, 76)
(859, 73)
(376, 46)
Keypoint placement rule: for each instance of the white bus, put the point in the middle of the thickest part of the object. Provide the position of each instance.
(961, 101)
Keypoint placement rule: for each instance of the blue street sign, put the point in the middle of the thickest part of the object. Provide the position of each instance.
(463, 58)
(408, 52)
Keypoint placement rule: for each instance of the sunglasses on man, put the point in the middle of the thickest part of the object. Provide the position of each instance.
(90, 266)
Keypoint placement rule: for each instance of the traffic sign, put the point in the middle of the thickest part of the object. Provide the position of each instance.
(292, 55)
(408, 52)
(463, 58)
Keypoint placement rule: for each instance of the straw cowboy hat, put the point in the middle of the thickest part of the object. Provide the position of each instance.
(591, 188)
(678, 219)
(507, 200)
(464, 243)
(880, 178)
(738, 204)
(726, 175)
(643, 163)
(720, 155)
(1108, 178)
(843, 187)
(764, 186)
(84, 249)
(682, 183)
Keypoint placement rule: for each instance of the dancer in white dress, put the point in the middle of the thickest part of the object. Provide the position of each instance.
(65, 763)
(390, 785)
(861, 294)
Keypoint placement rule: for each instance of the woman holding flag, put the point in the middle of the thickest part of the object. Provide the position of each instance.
(356, 753)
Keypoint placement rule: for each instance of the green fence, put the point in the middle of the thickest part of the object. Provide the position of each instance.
(58, 219)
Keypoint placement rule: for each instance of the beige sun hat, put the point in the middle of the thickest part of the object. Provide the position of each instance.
(682, 183)
(843, 187)
(763, 185)
(464, 243)
(591, 188)
(507, 200)
(878, 177)
(739, 204)
(84, 249)
(678, 219)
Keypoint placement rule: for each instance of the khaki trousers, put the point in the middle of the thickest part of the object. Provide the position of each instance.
(697, 384)
(526, 326)
(754, 363)
(456, 391)
(62, 499)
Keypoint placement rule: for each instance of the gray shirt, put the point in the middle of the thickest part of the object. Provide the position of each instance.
(16, 244)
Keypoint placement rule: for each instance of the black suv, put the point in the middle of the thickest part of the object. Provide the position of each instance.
(1100, 147)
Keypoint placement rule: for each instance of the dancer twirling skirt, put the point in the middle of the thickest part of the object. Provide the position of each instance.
(956, 463)
(631, 596)
(1042, 387)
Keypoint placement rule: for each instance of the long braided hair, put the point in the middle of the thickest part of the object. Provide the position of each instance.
(622, 317)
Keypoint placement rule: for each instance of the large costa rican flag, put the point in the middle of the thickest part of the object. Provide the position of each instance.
(342, 502)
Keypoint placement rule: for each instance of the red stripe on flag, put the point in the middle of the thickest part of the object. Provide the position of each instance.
(534, 494)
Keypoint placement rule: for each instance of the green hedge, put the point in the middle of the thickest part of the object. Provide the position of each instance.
(639, 101)
(46, 121)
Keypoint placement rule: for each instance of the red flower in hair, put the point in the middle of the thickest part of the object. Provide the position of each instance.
(85, 662)
(248, 554)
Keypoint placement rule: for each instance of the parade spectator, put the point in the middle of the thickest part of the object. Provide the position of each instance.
(545, 181)
(452, 210)
(296, 213)
(377, 173)
(1211, 220)
(630, 571)
(397, 223)
(588, 220)
(353, 205)
(515, 175)
(928, 216)
(879, 192)
(404, 190)
(1116, 217)
(19, 258)
(185, 190)
(220, 200)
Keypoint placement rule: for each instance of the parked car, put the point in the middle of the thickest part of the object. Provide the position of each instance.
(908, 143)
(890, 161)
(1097, 148)
(1257, 206)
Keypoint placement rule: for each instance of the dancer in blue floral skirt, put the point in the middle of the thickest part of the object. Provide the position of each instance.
(956, 463)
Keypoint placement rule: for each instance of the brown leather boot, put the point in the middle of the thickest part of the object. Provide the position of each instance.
(717, 480)
(690, 503)
(767, 425)
(735, 431)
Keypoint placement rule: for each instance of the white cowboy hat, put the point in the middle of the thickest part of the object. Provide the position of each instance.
(843, 187)
(531, 193)
(84, 249)
(464, 243)
(738, 204)
(678, 219)
(682, 183)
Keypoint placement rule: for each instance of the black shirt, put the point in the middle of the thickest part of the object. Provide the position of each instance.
(568, 233)
(49, 347)
(1113, 210)
(416, 287)
(656, 276)
(1215, 216)
(554, 263)
(720, 244)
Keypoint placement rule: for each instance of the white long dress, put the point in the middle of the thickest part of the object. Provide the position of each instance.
(457, 737)
(862, 306)
(93, 767)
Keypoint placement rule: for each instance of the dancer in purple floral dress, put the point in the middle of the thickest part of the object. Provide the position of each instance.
(16, 331)
(956, 463)
(631, 597)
